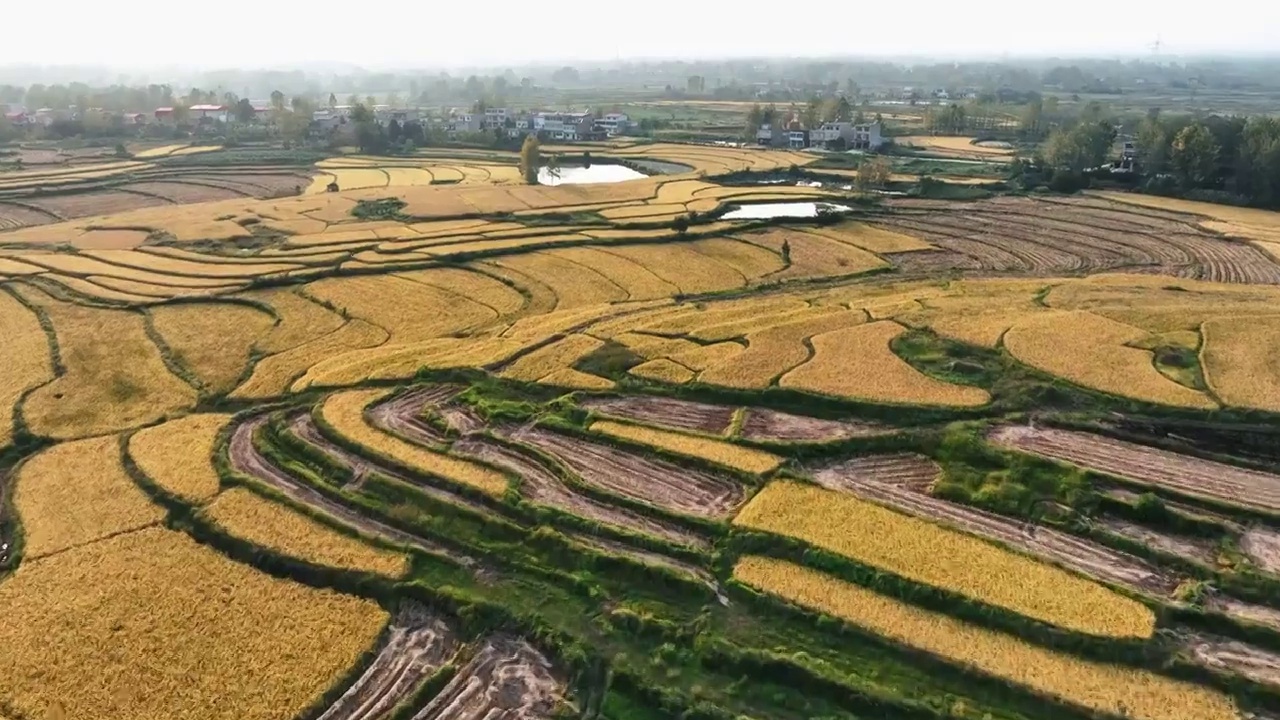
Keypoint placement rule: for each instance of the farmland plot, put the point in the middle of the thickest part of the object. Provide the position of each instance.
(656, 482)
(667, 412)
(762, 424)
(901, 482)
(507, 678)
(1252, 662)
(403, 414)
(1194, 549)
(1183, 474)
(418, 643)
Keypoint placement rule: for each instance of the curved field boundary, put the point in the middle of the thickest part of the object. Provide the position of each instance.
(417, 645)
(542, 486)
(654, 482)
(1182, 474)
(901, 481)
(1254, 663)
(403, 415)
(665, 412)
(507, 679)
(765, 425)
(246, 460)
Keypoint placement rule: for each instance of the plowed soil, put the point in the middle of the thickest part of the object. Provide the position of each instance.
(1195, 549)
(1051, 237)
(656, 482)
(508, 679)
(246, 459)
(403, 414)
(1184, 474)
(1262, 545)
(669, 412)
(903, 490)
(765, 425)
(417, 644)
(542, 486)
(1236, 657)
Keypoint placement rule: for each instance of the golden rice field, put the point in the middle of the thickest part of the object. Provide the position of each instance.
(885, 540)
(269, 524)
(178, 455)
(344, 412)
(214, 342)
(151, 624)
(77, 492)
(24, 355)
(717, 451)
(1099, 687)
(1240, 365)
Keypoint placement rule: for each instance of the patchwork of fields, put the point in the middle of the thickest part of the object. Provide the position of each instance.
(442, 444)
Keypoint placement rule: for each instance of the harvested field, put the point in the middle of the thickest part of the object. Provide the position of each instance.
(506, 679)
(1262, 545)
(416, 645)
(668, 412)
(1183, 474)
(344, 413)
(14, 216)
(1198, 550)
(908, 546)
(1113, 689)
(151, 624)
(902, 482)
(269, 524)
(178, 455)
(764, 425)
(99, 202)
(246, 460)
(404, 414)
(1233, 656)
(303, 427)
(182, 192)
(540, 485)
(460, 419)
(719, 452)
(656, 482)
(1054, 237)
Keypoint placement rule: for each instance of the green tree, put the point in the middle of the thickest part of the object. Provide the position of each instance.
(530, 159)
(811, 116)
(277, 100)
(1152, 144)
(333, 100)
(244, 111)
(873, 173)
(1084, 146)
(1033, 117)
(1194, 156)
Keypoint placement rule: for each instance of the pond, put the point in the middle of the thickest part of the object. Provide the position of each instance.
(776, 210)
(580, 175)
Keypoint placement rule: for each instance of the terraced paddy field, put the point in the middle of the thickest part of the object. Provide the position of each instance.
(442, 444)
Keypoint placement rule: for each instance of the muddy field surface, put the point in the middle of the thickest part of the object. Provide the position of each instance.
(303, 427)
(656, 482)
(542, 486)
(507, 679)
(904, 492)
(1190, 476)
(417, 644)
(403, 415)
(1234, 656)
(764, 425)
(669, 412)
(1038, 237)
(1200, 550)
(1262, 545)
(246, 460)
(460, 418)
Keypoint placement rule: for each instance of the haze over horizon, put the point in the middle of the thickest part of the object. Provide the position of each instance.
(400, 34)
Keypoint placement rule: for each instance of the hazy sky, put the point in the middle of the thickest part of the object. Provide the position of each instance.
(430, 33)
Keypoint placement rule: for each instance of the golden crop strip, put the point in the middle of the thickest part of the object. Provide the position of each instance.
(178, 455)
(881, 538)
(81, 265)
(300, 319)
(160, 292)
(78, 492)
(1093, 351)
(682, 265)
(716, 451)
(95, 291)
(392, 362)
(750, 260)
(872, 239)
(12, 266)
(181, 268)
(114, 375)
(344, 412)
(663, 370)
(494, 294)
(814, 256)
(559, 355)
(150, 624)
(213, 341)
(857, 363)
(1240, 361)
(773, 351)
(576, 380)
(265, 523)
(574, 285)
(275, 374)
(638, 281)
(1112, 689)
(410, 311)
(24, 355)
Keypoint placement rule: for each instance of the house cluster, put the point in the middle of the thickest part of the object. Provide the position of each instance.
(828, 135)
(564, 126)
(160, 116)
